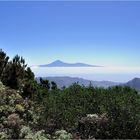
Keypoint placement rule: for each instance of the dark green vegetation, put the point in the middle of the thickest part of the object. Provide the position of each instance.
(34, 110)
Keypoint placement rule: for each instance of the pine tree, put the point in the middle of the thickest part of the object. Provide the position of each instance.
(3, 62)
(54, 85)
(14, 73)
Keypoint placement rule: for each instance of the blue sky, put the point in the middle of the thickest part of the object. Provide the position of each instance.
(102, 33)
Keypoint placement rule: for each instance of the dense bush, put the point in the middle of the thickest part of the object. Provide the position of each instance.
(120, 104)
(15, 111)
(26, 133)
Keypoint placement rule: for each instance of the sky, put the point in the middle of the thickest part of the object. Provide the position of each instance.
(101, 33)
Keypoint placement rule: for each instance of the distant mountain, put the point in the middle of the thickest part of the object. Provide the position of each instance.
(59, 63)
(134, 83)
(67, 81)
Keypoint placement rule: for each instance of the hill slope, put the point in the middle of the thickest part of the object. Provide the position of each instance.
(134, 83)
(67, 81)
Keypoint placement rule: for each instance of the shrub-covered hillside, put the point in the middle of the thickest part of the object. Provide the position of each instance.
(31, 110)
(16, 115)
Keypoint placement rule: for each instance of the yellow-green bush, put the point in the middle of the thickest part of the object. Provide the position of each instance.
(19, 108)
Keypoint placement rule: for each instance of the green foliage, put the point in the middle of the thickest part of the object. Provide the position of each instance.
(93, 126)
(19, 108)
(14, 73)
(3, 135)
(29, 87)
(45, 83)
(120, 104)
(2, 87)
(54, 85)
(31, 110)
(62, 135)
(3, 61)
(17, 75)
(26, 133)
(15, 111)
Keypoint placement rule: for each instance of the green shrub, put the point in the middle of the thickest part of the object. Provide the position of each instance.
(19, 108)
(3, 135)
(63, 135)
(26, 133)
(2, 87)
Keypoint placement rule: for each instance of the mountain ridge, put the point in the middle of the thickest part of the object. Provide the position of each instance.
(134, 83)
(67, 81)
(59, 63)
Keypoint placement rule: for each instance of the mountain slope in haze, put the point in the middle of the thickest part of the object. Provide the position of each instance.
(67, 81)
(134, 83)
(59, 63)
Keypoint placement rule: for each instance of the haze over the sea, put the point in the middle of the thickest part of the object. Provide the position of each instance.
(115, 74)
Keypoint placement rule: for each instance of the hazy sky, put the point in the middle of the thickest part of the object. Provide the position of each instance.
(102, 33)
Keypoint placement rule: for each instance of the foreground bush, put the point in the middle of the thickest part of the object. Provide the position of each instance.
(14, 113)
